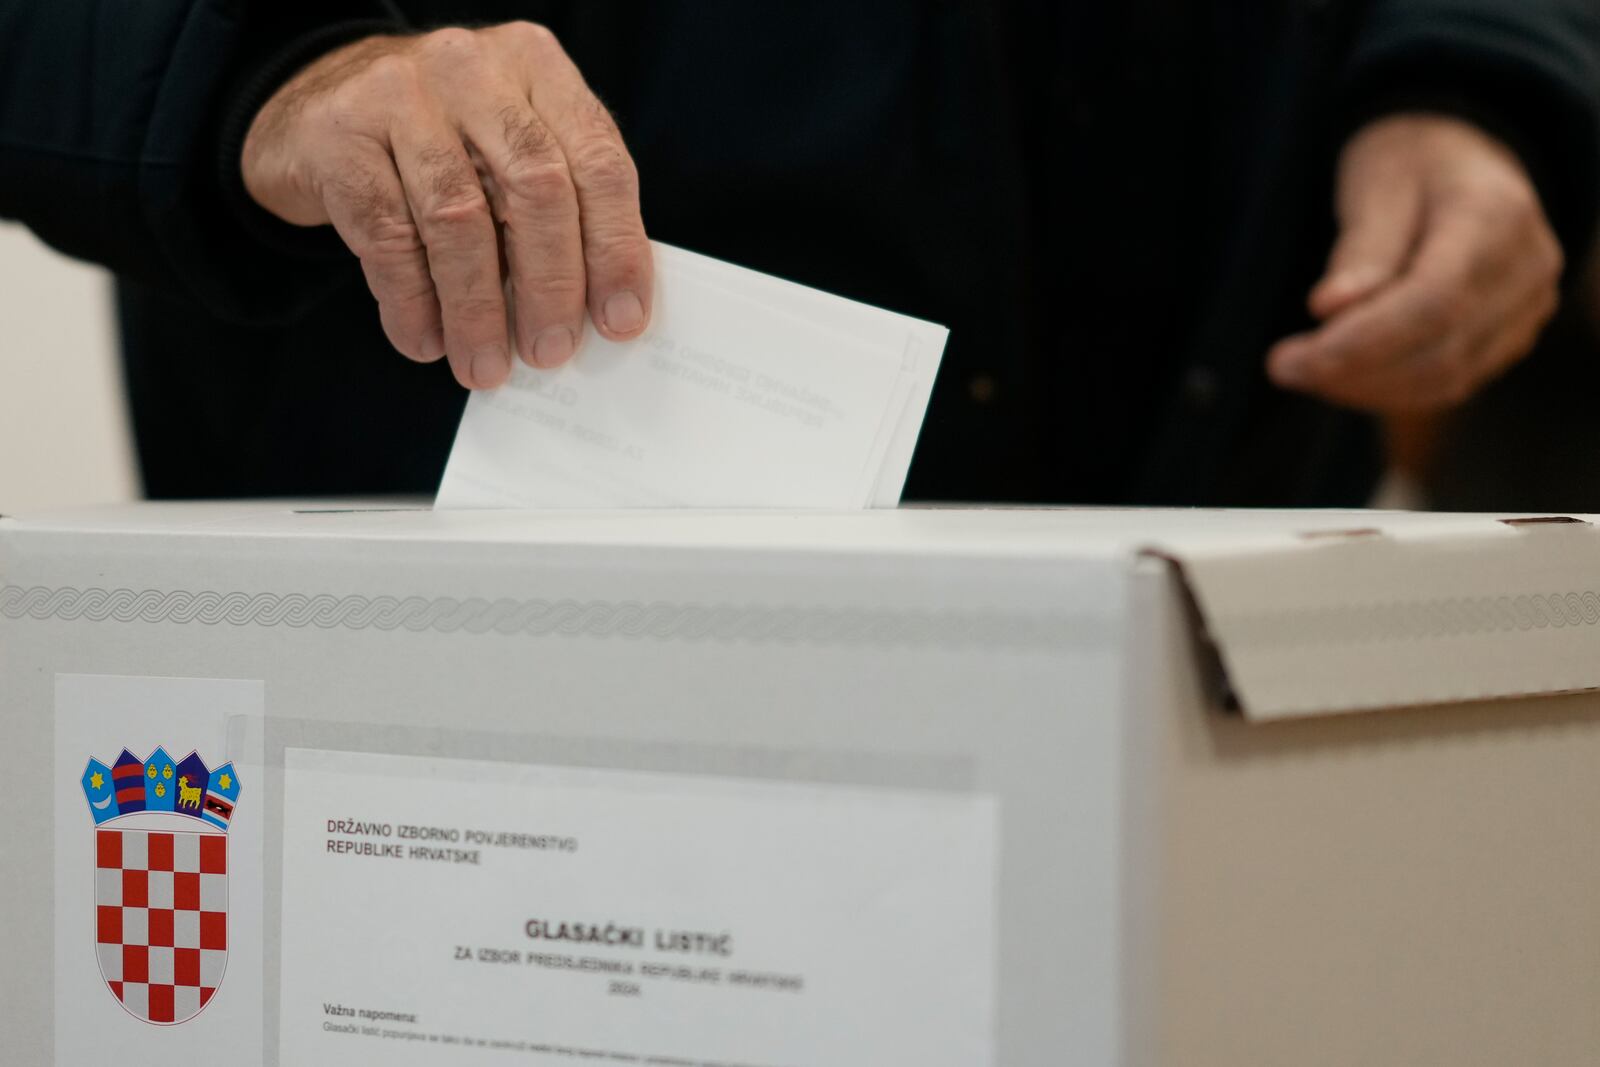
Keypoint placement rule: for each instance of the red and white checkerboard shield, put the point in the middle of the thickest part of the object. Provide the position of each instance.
(161, 918)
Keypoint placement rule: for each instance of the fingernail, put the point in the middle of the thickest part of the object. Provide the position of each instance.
(433, 346)
(553, 347)
(489, 366)
(623, 313)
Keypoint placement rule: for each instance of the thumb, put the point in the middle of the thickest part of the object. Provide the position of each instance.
(1380, 226)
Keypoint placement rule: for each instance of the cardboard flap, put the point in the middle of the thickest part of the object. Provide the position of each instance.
(1398, 613)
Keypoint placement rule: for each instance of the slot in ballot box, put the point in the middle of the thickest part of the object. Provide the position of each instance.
(351, 784)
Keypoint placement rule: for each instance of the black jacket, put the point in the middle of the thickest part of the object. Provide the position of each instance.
(1116, 206)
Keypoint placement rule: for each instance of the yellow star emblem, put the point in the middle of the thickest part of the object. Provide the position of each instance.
(225, 782)
(97, 780)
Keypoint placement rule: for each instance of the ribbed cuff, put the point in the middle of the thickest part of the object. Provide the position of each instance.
(250, 92)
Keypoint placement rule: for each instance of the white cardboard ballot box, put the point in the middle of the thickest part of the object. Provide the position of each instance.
(330, 785)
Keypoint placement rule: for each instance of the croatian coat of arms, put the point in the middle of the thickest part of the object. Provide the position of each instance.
(161, 880)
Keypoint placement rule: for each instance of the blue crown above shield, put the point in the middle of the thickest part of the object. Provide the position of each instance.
(161, 784)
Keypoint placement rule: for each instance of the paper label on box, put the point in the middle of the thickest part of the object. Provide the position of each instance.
(158, 870)
(560, 913)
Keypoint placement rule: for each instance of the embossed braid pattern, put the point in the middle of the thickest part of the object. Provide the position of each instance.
(571, 618)
(1416, 620)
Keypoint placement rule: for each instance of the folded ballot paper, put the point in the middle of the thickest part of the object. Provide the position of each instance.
(746, 392)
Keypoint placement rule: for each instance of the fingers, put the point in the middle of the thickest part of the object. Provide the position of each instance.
(464, 166)
(1380, 229)
(616, 252)
(1409, 316)
(1469, 307)
(565, 192)
(1516, 336)
(1428, 379)
(1521, 335)
(452, 216)
(367, 205)
(1444, 375)
(1444, 275)
(536, 205)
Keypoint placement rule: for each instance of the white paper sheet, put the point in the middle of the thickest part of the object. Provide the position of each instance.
(745, 392)
(564, 914)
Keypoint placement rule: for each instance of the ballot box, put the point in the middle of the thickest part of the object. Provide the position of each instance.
(325, 784)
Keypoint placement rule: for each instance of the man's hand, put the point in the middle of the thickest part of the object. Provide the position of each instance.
(450, 163)
(1445, 273)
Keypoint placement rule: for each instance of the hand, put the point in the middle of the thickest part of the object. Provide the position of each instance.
(1444, 275)
(443, 160)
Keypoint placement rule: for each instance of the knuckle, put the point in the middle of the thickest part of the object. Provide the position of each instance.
(1522, 215)
(1521, 206)
(450, 43)
(354, 184)
(390, 73)
(414, 297)
(617, 258)
(1503, 199)
(603, 166)
(593, 118)
(620, 257)
(529, 34)
(558, 289)
(476, 310)
(540, 181)
(460, 212)
(526, 137)
(1496, 202)
(404, 296)
(451, 184)
(358, 186)
(390, 239)
(343, 109)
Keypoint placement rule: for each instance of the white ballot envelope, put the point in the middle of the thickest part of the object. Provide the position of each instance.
(746, 391)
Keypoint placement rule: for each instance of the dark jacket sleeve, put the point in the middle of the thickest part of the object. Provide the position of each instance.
(1528, 71)
(110, 118)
